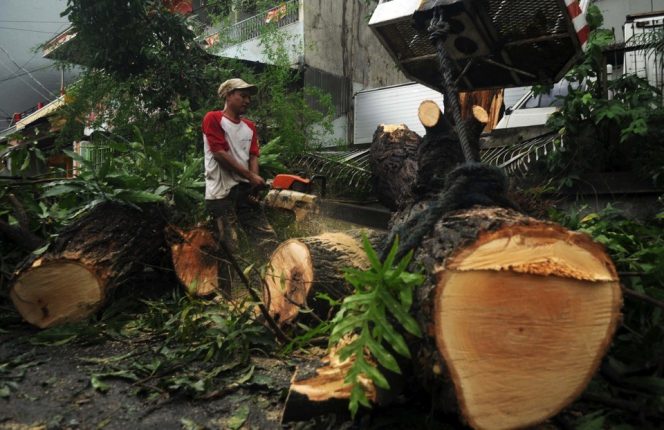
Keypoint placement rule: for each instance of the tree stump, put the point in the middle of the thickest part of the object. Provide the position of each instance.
(301, 268)
(517, 314)
(195, 259)
(93, 256)
(393, 161)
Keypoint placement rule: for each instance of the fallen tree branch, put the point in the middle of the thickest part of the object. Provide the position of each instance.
(642, 297)
(270, 321)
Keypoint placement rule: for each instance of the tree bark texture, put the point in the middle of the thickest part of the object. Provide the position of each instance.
(95, 254)
(393, 161)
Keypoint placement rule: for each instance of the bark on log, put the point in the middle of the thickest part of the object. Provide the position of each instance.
(440, 150)
(195, 259)
(393, 161)
(300, 268)
(517, 314)
(97, 253)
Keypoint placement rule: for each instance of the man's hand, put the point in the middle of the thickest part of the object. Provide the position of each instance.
(256, 181)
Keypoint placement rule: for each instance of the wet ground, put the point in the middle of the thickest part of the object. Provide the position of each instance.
(51, 389)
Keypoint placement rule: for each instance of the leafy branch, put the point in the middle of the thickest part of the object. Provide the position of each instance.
(383, 294)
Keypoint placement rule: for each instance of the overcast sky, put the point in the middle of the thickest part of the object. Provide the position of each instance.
(25, 24)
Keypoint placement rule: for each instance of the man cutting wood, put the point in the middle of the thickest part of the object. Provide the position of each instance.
(231, 169)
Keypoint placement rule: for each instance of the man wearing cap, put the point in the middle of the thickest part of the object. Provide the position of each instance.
(231, 169)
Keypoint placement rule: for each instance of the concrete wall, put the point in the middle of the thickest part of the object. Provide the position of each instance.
(338, 40)
(615, 11)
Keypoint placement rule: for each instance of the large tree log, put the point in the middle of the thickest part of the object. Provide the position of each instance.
(195, 255)
(301, 268)
(94, 255)
(517, 314)
(393, 161)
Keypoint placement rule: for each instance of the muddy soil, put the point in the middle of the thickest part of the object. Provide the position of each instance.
(50, 387)
(55, 392)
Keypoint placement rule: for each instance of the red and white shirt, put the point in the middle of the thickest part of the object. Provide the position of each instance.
(220, 133)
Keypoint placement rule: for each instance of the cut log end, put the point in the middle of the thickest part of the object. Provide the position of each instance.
(429, 113)
(288, 280)
(300, 268)
(524, 308)
(480, 114)
(539, 249)
(392, 128)
(195, 261)
(302, 205)
(320, 387)
(55, 293)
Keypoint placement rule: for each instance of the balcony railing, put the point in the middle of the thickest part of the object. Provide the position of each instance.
(284, 14)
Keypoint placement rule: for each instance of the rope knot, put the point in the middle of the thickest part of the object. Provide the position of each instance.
(438, 28)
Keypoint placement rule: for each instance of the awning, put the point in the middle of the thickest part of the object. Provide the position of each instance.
(41, 113)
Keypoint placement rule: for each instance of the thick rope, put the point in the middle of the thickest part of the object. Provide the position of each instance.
(471, 184)
(438, 29)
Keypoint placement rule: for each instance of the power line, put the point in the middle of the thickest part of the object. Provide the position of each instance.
(25, 70)
(25, 73)
(26, 82)
(38, 51)
(36, 22)
(29, 31)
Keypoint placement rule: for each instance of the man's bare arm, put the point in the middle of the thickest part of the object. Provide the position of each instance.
(229, 163)
(253, 164)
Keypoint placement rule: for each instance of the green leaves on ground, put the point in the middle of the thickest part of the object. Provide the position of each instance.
(372, 319)
(177, 344)
(12, 373)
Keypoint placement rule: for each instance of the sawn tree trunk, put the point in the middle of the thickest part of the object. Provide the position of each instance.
(94, 255)
(393, 161)
(300, 268)
(517, 314)
(195, 257)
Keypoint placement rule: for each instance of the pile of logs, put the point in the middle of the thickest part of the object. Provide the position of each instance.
(79, 271)
(516, 312)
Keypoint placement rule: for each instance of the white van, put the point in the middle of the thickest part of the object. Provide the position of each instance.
(534, 110)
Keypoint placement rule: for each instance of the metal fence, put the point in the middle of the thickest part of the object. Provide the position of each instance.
(95, 153)
(284, 14)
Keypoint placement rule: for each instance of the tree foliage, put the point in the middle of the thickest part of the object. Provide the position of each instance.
(383, 295)
(612, 127)
(139, 38)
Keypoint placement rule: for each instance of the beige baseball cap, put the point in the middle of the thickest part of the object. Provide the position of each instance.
(235, 84)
